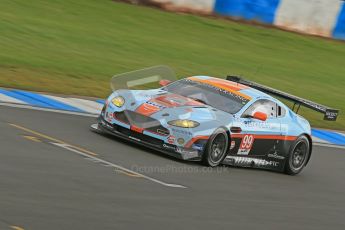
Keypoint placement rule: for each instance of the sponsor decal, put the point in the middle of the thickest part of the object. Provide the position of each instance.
(232, 145)
(180, 141)
(166, 101)
(246, 145)
(256, 124)
(171, 139)
(147, 109)
(276, 156)
(155, 104)
(331, 115)
(249, 161)
(184, 132)
(162, 132)
(169, 147)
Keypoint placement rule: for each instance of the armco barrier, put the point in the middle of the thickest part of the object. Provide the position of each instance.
(204, 6)
(254, 10)
(317, 17)
(339, 30)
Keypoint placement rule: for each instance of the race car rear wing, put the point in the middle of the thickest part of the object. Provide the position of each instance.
(330, 114)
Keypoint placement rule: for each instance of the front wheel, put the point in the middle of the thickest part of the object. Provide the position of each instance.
(298, 156)
(216, 148)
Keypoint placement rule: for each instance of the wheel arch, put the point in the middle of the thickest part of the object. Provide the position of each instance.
(287, 168)
(310, 146)
(227, 132)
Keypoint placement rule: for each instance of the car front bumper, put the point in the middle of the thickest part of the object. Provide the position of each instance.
(148, 141)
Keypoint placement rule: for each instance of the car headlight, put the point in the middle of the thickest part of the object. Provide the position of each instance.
(184, 123)
(118, 101)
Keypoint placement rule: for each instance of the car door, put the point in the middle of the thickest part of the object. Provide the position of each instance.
(258, 137)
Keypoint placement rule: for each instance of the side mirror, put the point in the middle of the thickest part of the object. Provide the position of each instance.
(164, 82)
(260, 116)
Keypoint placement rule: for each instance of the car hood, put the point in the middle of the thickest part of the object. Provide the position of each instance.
(162, 105)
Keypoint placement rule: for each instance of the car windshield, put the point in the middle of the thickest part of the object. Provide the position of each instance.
(213, 96)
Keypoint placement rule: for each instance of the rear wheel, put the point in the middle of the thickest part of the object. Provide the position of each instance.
(216, 148)
(298, 156)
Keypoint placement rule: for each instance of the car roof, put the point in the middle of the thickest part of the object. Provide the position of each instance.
(233, 87)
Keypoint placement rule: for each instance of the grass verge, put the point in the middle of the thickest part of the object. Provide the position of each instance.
(75, 47)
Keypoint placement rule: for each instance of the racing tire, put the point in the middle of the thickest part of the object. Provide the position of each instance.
(298, 156)
(216, 148)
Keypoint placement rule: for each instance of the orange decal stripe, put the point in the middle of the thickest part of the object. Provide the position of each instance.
(230, 84)
(137, 129)
(147, 109)
(228, 87)
(194, 139)
(273, 137)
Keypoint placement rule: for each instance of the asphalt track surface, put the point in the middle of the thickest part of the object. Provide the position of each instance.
(57, 174)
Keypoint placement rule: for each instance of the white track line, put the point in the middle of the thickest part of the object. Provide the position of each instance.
(118, 167)
(5, 98)
(330, 145)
